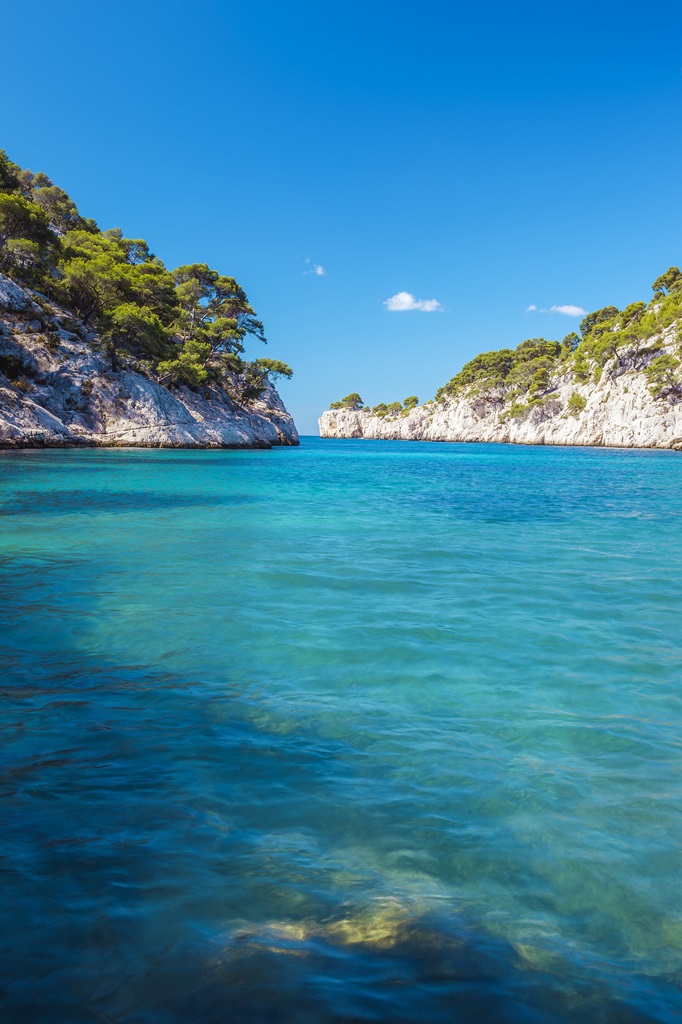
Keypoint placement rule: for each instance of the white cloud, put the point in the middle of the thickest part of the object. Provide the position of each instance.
(568, 310)
(403, 302)
(564, 310)
(317, 269)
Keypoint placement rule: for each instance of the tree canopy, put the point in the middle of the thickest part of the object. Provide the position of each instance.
(187, 326)
(352, 401)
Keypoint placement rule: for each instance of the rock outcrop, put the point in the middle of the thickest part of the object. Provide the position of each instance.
(57, 389)
(619, 411)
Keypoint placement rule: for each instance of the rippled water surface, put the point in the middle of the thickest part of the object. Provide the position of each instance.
(352, 732)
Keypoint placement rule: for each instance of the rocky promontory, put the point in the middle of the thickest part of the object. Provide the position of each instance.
(102, 344)
(619, 412)
(57, 388)
(618, 386)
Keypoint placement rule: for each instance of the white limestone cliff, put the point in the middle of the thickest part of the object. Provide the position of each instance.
(57, 389)
(619, 412)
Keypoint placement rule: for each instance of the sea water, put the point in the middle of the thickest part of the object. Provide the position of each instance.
(360, 731)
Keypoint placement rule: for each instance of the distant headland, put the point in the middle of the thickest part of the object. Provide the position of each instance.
(618, 383)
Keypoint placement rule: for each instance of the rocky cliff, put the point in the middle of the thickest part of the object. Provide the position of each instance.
(58, 389)
(618, 410)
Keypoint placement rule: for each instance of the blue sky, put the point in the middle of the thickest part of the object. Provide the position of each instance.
(483, 160)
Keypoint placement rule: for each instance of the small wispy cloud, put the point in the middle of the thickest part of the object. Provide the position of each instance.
(404, 302)
(317, 269)
(566, 310)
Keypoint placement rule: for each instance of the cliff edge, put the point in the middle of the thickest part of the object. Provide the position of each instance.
(615, 407)
(57, 388)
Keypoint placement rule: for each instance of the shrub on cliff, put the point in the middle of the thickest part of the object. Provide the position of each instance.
(576, 403)
(665, 379)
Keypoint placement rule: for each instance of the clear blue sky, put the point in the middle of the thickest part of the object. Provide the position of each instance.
(489, 157)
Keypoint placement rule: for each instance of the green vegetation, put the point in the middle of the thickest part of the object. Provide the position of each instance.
(526, 368)
(186, 326)
(610, 339)
(352, 401)
(664, 378)
(611, 342)
(576, 404)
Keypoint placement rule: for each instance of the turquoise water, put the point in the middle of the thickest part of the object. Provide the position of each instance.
(352, 732)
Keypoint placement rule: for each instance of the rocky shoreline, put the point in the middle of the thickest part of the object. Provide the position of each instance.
(617, 411)
(57, 390)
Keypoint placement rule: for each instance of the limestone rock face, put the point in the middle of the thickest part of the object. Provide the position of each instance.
(13, 298)
(619, 412)
(56, 389)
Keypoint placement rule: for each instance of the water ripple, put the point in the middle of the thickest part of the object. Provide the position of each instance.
(353, 731)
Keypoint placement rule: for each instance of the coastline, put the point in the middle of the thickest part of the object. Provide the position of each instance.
(58, 390)
(676, 447)
(616, 411)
